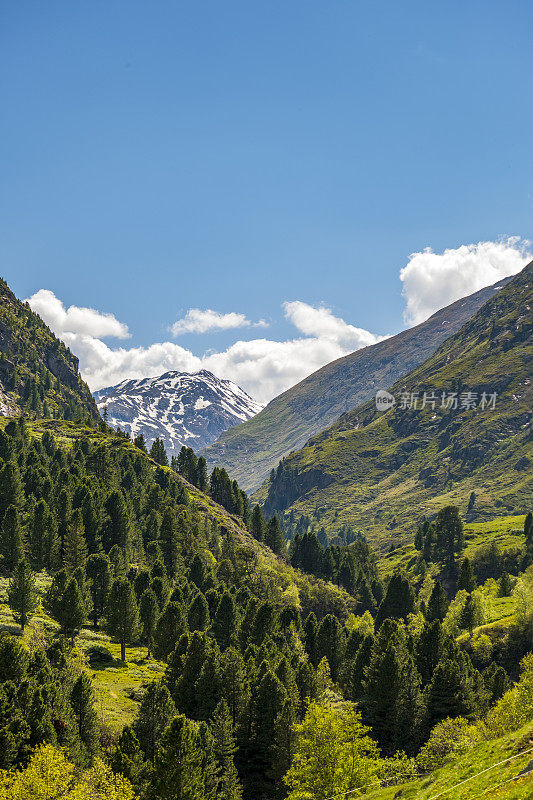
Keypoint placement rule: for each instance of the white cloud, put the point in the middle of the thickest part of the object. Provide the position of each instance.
(198, 321)
(263, 367)
(75, 319)
(321, 323)
(434, 280)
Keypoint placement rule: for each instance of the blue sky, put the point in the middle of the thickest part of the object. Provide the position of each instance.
(161, 157)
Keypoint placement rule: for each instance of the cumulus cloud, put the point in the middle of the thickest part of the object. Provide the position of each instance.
(434, 280)
(321, 323)
(198, 321)
(75, 319)
(263, 367)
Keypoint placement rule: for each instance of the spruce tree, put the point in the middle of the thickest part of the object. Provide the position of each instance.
(11, 491)
(11, 547)
(468, 615)
(450, 693)
(82, 702)
(169, 542)
(148, 614)
(198, 613)
(310, 638)
(122, 614)
(449, 535)
(257, 524)
(75, 546)
(127, 758)
(225, 621)
(155, 712)
(330, 643)
(437, 604)
(43, 540)
(399, 600)
(21, 594)
(224, 748)
(71, 610)
(170, 626)
(98, 569)
(429, 648)
(178, 770)
(274, 537)
(466, 579)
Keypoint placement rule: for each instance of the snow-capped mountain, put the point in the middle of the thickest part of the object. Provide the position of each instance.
(181, 408)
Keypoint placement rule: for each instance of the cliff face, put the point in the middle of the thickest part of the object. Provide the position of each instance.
(38, 374)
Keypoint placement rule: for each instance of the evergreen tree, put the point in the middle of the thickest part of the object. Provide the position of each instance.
(466, 579)
(155, 712)
(270, 697)
(169, 542)
(63, 513)
(148, 614)
(201, 474)
(235, 683)
(21, 594)
(11, 491)
(127, 758)
(399, 600)
(11, 547)
(98, 569)
(505, 586)
(437, 604)
(429, 649)
(274, 537)
(178, 770)
(43, 540)
(225, 621)
(198, 614)
(71, 609)
(170, 626)
(330, 643)
(75, 547)
(468, 615)
(310, 639)
(139, 443)
(257, 524)
(224, 749)
(117, 524)
(450, 693)
(122, 613)
(391, 690)
(449, 535)
(82, 702)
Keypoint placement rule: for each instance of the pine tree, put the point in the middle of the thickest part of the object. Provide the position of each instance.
(468, 615)
(274, 537)
(11, 491)
(122, 614)
(257, 524)
(284, 741)
(169, 542)
(198, 614)
(11, 547)
(21, 594)
(43, 540)
(170, 626)
(224, 748)
(82, 702)
(155, 712)
(330, 643)
(310, 639)
(466, 579)
(450, 693)
(391, 690)
(437, 604)
(98, 569)
(505, 586)
(399, 600)
(71, 610)
(178, 769)
(63, 513)
(429, 648)
(225, 621)
(235, 683)
(75, 547)
(359, 667)
(449, 535)
(270, 697)
(201, 474)
(127, 758)
(148, 613)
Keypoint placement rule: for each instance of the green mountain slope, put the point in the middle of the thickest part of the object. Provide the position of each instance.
(380, 472)
(249, 451)
(38, 374)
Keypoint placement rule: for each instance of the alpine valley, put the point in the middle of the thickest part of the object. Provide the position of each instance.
(360, 626)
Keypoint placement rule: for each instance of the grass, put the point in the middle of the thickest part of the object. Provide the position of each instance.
(483, 756)
(118, 685)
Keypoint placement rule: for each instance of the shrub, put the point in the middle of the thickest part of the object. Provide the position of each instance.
(98, 654)
(515, 708)
(447, 738)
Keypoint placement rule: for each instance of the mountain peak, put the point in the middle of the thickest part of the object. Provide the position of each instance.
(191, 408)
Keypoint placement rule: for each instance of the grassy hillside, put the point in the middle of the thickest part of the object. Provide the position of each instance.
(381, 472)
(38, 374)
(249, 451)
(497, 780)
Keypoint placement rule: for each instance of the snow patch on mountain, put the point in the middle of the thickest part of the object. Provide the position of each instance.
(181, 408)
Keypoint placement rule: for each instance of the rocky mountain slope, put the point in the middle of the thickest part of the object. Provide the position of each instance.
(177, 407)
(38, 373)
(249, 451)
(380, 472)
